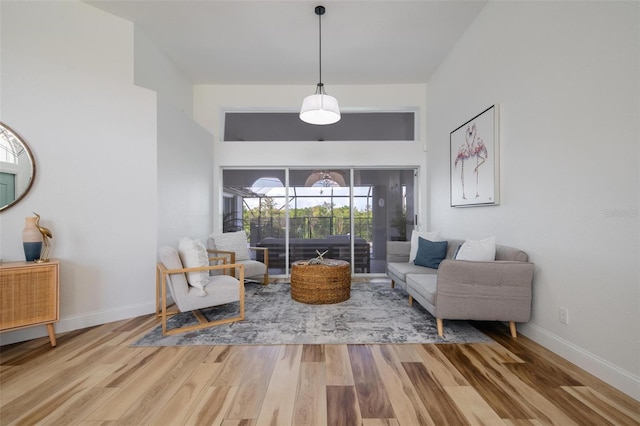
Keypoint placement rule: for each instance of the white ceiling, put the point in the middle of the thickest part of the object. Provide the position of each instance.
(276, 42)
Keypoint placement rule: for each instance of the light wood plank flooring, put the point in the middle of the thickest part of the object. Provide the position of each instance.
(93, 377)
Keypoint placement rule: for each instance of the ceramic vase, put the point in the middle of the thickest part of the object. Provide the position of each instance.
(31, 239)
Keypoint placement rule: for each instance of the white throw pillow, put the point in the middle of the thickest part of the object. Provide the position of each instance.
(431, 236)
(233, 241)
(478, 250)
(193, 254)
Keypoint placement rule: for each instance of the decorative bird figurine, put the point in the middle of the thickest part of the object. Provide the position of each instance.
(46, 234)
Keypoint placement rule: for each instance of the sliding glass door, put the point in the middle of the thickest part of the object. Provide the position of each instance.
(299, 214)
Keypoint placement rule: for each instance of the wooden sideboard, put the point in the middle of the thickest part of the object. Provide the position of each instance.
(29, 295)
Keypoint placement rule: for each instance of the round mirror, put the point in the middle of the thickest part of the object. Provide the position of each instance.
(17, 167)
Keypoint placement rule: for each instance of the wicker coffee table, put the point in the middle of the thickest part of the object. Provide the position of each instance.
(319, 284)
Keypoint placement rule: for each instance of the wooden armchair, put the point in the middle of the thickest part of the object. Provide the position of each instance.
(233, 245)
(220, 290)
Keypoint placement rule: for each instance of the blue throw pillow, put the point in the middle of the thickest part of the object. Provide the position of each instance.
(430, 253)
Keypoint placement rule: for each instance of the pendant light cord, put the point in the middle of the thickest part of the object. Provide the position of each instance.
(320, 11)
(320, 45)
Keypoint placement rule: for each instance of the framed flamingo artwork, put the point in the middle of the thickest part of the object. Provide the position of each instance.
(474, 164)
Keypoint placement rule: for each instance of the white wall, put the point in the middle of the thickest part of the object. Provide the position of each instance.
(185, 149)
(566, 76)
(185, 178)
(155, 71)
(210, 100)
(67, 89)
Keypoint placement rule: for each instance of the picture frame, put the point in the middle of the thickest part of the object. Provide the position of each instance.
(475, 160)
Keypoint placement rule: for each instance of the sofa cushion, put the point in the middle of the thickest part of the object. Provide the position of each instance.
(400, 270)
(431, 236)
(430, 253)
(478, 250)
(398, 251)
(424, 285)
(454, 245)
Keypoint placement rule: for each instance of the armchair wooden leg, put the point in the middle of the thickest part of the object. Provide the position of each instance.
(410, 300)
(512, 328)
(393, 284)
(440, 327)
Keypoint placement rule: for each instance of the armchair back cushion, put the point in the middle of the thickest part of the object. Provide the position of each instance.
(231, 241)
(237, 242)
(175, 282)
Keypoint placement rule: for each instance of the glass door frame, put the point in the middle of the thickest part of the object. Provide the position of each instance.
(289, 192)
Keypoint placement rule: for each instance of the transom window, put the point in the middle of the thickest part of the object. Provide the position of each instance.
(240, 126)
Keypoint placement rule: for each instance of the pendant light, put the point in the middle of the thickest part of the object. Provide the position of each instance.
(320, 108)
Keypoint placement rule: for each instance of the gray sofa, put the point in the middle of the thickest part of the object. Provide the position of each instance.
(498, 290)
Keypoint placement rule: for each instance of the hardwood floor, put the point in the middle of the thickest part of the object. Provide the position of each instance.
(93, 377)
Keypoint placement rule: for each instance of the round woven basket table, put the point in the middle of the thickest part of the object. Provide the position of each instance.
(319, 284)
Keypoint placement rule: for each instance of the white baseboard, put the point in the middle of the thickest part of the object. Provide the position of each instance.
(78, 322)
(615, 376)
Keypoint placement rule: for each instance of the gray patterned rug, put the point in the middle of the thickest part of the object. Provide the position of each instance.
(375, 313)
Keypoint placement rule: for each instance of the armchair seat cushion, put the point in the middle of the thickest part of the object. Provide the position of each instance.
(221, 289)
(253, 268)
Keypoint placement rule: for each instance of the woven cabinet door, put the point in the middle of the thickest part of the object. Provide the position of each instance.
(28, 295)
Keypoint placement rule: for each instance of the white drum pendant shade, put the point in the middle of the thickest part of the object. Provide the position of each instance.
(320, 109)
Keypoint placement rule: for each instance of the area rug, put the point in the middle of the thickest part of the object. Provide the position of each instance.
(375, 313)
